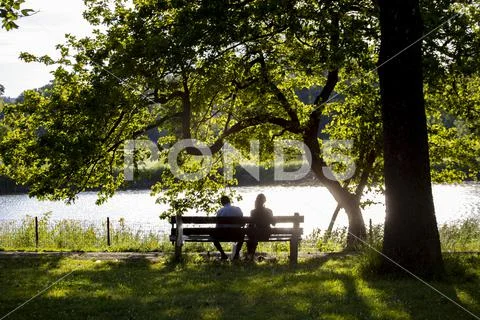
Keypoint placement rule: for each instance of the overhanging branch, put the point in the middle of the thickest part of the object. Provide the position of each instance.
(242, 125)
(146, 128)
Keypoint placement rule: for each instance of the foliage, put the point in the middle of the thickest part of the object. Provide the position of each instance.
(10, 11)
(202, 195)
(454, 111)
(451, 98)
(215, 71)
(357, 117)
(177, 67)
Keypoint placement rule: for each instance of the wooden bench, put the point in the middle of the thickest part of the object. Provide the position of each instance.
(203, 229)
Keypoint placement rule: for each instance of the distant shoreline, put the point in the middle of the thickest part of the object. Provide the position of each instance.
(9, 187)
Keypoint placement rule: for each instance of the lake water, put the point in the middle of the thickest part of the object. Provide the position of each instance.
(138, 208)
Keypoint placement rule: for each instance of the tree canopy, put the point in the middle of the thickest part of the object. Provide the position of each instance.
(226, 70)
(10, 11)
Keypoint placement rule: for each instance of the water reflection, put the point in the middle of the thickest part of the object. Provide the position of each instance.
(452, 202)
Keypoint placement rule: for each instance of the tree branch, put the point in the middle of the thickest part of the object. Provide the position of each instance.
(311, 132)
(278, 93)
(166, 98)
(369, 161)
(115, 126)
(187, 109)
(145, 129)
(247, 123)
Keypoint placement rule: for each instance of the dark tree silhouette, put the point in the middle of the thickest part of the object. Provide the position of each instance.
(411, 234)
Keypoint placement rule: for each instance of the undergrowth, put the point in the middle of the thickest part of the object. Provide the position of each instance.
(76, 235)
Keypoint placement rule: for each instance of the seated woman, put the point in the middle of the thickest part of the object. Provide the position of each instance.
(262, 218)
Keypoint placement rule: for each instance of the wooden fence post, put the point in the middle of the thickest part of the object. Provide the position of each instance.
(370, 232)
(36, 232)
(294, 240)
(108, 231)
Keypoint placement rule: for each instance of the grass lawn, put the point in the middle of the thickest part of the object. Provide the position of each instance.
(332, 288)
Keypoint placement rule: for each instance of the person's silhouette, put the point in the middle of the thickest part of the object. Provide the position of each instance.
(262, 218)
(228, 211)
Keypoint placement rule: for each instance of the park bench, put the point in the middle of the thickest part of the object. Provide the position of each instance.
(203, 229)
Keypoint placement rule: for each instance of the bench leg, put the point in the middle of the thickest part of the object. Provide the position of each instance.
(293, 250)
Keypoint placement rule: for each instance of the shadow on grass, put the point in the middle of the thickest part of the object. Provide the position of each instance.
(455, 296)
(140, 289)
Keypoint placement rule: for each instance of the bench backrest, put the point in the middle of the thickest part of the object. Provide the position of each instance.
(206, 226)
(295, 219)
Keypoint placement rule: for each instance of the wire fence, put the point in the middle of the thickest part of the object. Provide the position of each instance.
(88, 235)
(44, 233)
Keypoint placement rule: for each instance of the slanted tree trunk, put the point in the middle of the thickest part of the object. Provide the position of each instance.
(357, 232)
(349, 202)
(411, 235)
(356, 226)
(365, 173)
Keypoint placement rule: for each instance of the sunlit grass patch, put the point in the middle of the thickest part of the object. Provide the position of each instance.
(330, 288)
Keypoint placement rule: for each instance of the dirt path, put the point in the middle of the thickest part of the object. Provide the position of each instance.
(151, 256)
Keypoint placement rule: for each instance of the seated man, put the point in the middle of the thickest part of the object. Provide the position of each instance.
(228, 211)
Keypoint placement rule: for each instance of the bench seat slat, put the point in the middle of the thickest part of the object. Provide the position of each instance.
(198, 238)
(227, 231)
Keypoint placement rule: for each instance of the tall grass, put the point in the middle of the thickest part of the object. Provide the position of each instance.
(325, 241)
(456, 236)
(461, 235)
(76, 235)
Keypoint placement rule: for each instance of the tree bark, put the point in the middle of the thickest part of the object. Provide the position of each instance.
(411, 235)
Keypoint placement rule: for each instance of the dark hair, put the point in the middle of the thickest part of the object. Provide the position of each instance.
(224, 200)
(260, 201)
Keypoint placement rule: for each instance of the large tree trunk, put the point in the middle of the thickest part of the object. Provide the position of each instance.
(411, 235)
